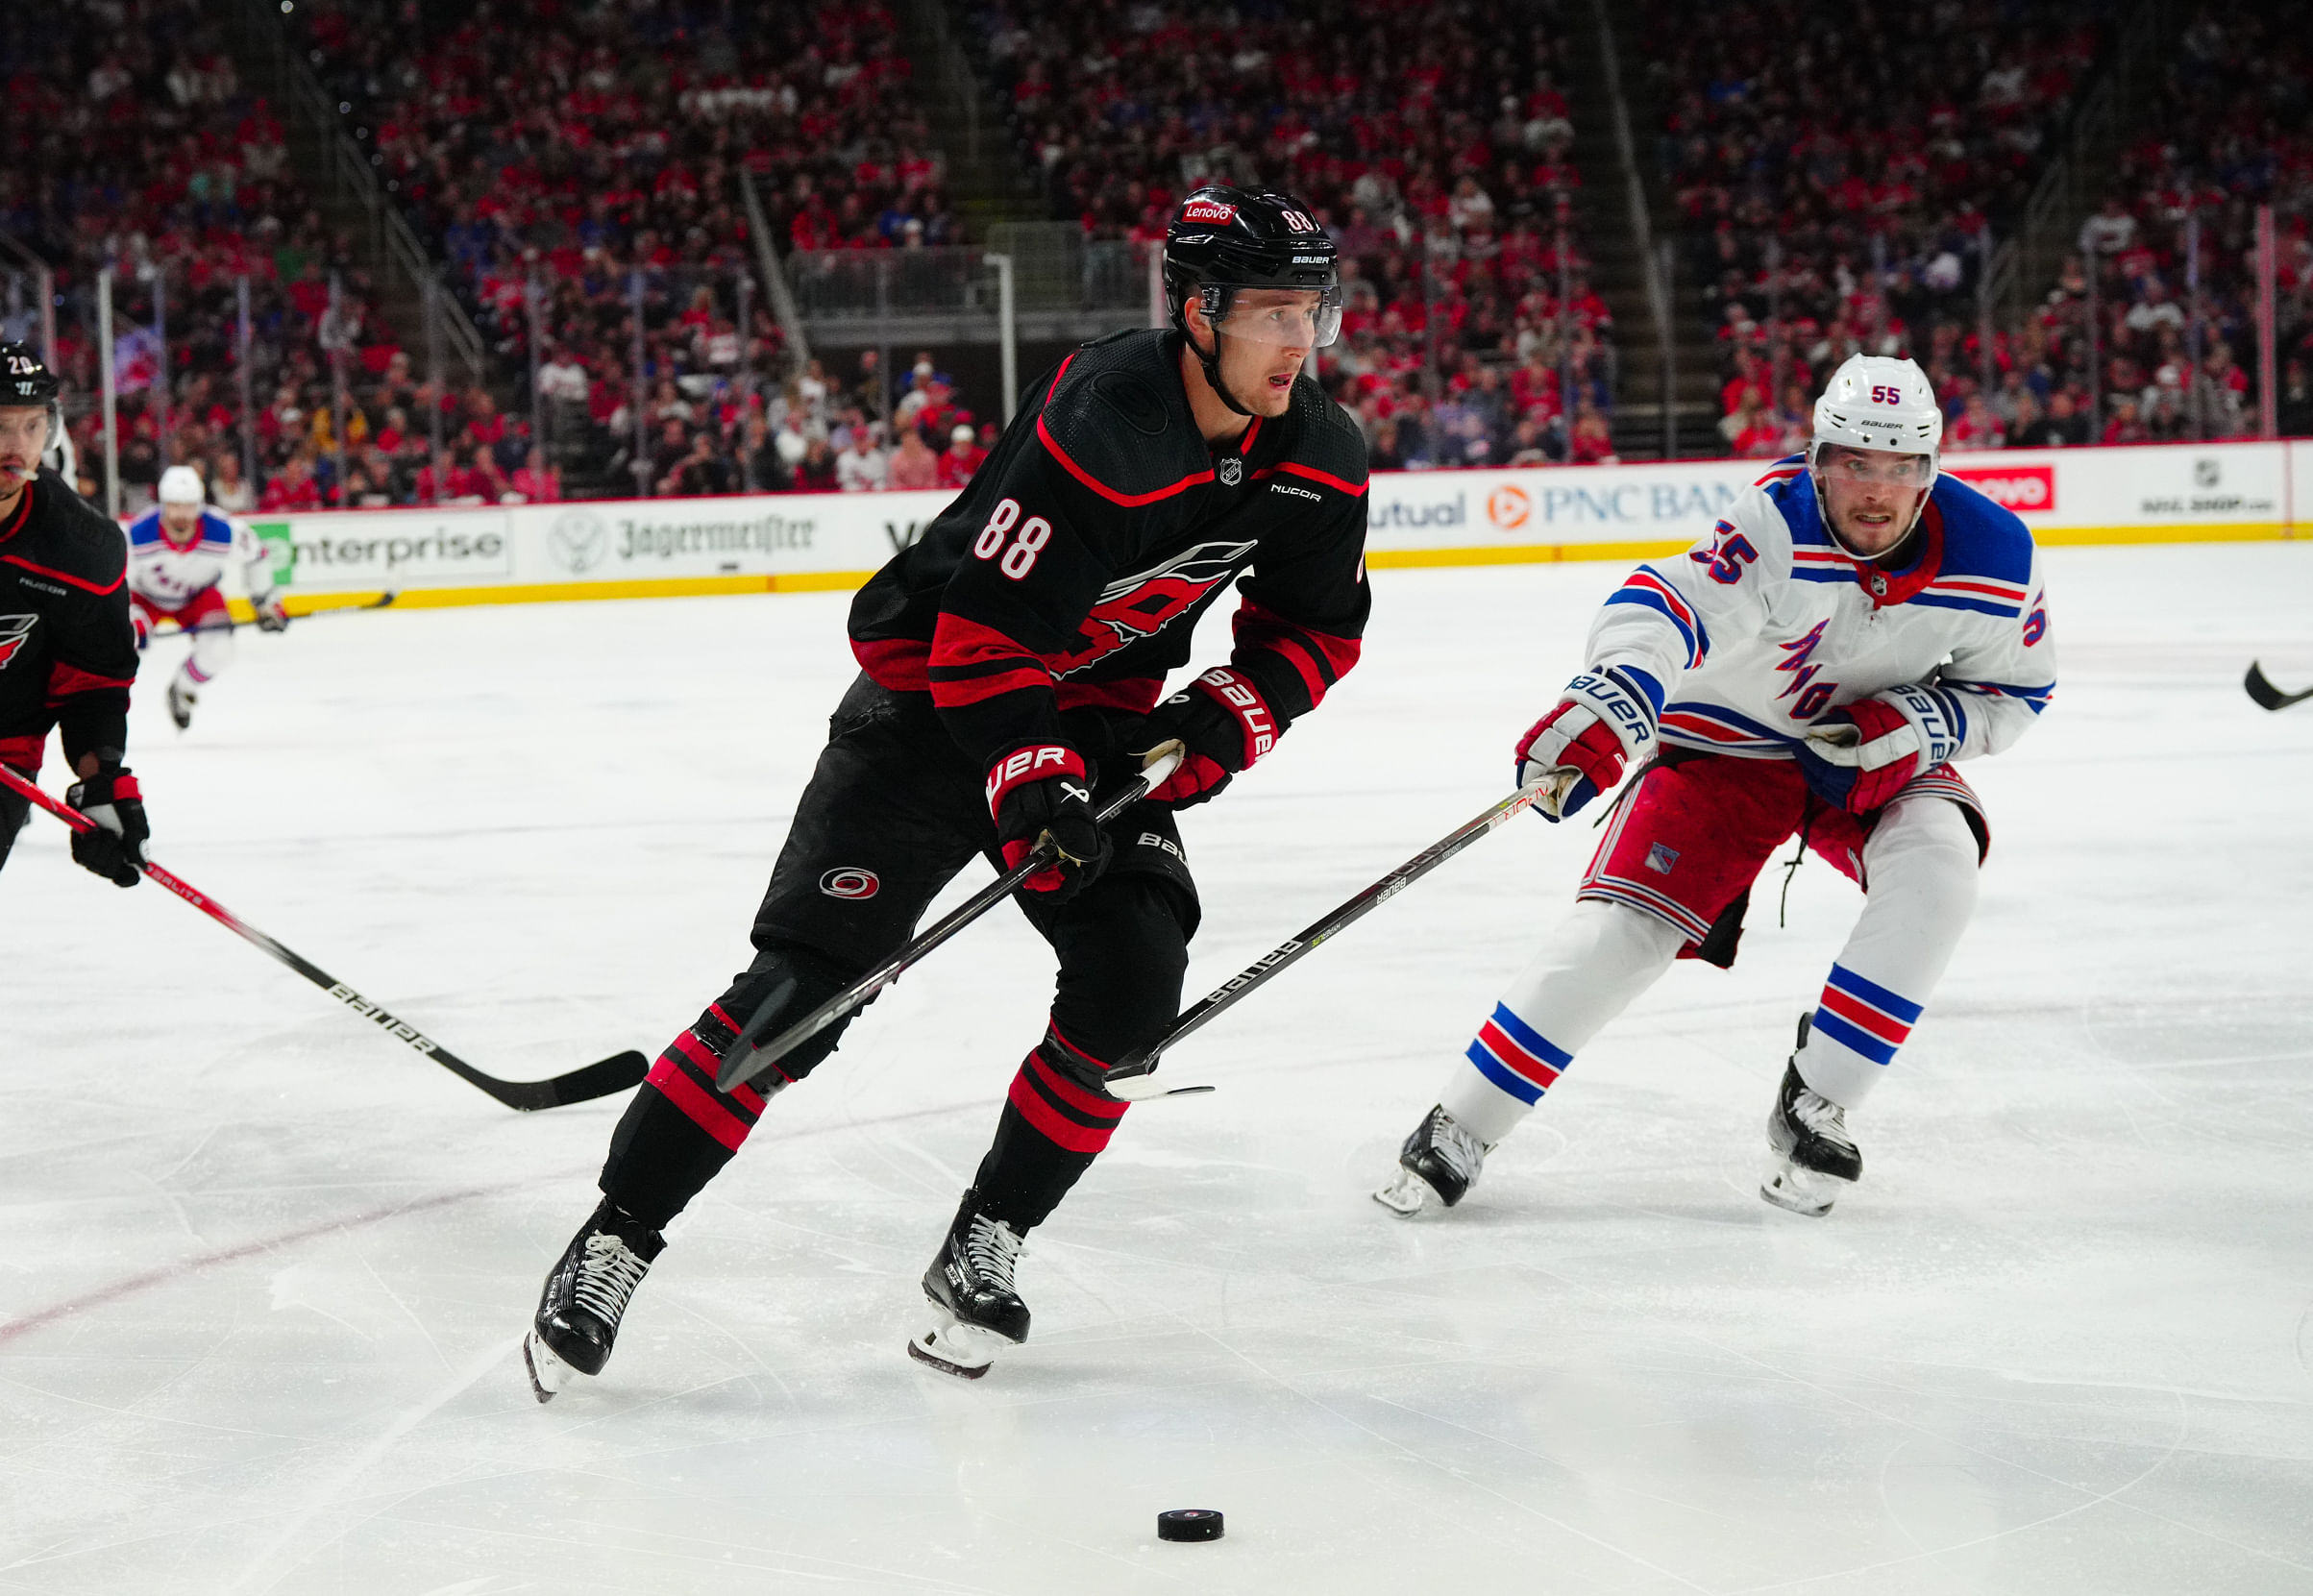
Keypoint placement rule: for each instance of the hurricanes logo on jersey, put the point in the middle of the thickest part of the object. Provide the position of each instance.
(1144, 605)
(15, 630)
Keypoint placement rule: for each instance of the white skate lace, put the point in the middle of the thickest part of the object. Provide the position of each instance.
(1822, 1116)
(991, 1246)
(607, 1276)
(1462, 1153)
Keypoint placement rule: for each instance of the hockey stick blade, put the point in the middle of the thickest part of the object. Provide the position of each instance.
(598, 1079)
(2268, 695)
(746, 1062)
(1127, 1080)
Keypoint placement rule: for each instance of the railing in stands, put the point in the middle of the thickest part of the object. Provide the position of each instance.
(391, 243)
(775, 279)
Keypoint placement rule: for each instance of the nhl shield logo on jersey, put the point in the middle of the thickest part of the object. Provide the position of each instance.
(1232, 472)
(15, 629)
(1659, 858)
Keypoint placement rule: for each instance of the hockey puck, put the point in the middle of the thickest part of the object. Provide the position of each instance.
(1189, 1524)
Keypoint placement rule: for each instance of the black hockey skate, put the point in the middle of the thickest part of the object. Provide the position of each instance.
(1440, 1163)
(1814, 1156)
(181, 702)
(586, 1295)
(970, 1284)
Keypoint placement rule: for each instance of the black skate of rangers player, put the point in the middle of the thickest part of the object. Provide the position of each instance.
(67, 648)
(1012, 660)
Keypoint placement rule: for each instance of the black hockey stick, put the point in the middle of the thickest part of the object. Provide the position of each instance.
(1127, 1079)
(598, 1079)
(2268, 695)
(746, 1062)
(382, 600)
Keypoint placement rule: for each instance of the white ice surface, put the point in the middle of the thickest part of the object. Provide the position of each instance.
(262, 1272)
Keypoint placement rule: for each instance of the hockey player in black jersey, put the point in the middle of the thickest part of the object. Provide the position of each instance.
(1013, 661)
(67, 648)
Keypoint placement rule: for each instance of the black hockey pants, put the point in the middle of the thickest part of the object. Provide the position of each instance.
(892, 813)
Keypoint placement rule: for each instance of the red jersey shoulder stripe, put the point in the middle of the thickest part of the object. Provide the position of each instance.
(81, 582)
(1128, 500)
(1355, 490)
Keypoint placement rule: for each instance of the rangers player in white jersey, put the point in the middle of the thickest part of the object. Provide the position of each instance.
(1815, 665)
(178, 551)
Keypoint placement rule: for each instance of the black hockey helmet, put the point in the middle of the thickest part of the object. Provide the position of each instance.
(1223, 239)
(26, 382)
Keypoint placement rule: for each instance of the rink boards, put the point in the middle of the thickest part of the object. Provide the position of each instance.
(2177, 493)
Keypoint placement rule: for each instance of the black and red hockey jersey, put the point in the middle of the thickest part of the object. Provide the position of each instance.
(1071, 570)
(67, 649)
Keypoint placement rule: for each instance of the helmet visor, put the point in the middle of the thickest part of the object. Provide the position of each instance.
(1285, 318)
(1875, 467)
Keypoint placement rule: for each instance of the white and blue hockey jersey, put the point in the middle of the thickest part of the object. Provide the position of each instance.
(1766, 622)
(168, 575)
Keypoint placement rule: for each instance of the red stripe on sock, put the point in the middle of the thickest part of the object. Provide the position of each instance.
(1065, 1133)
(1073, 1094)
(1886, 1028)
(675, 1084)
(1497, 1041)
(699, 1053)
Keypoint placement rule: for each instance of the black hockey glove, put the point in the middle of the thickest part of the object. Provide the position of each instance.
(1222, 724)
(270, 616)
(1038, 792)
(115, 847)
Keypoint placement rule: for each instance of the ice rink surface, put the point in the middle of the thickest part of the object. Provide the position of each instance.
(265, 1271)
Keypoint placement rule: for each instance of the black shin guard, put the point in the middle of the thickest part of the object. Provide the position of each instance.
(679, 1131)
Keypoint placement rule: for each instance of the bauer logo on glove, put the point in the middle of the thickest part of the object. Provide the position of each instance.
(1859, 756)
(1602, 720)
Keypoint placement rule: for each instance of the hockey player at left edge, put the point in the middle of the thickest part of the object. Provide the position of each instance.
(67, 648)
(1012, 664)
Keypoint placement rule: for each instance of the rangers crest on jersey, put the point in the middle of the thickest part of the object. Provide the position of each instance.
(1144, 605)
(14, 632)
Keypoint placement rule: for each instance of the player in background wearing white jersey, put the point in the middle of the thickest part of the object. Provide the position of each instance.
(1813, 666)
(178, 551)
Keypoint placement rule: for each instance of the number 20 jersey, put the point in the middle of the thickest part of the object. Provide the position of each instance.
(1767, 622)
(1069, 573)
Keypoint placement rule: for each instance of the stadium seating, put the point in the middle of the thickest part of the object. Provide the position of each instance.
(131, 142)
(1431, 140)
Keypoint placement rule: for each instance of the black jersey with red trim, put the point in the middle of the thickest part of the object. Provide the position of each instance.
(1071, 572)
(67, 649)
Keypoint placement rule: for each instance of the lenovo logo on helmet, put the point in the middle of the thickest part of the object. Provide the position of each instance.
(1208, 210)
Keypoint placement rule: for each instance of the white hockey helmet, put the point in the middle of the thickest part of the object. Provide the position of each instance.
(181, 484)
(1878, 402)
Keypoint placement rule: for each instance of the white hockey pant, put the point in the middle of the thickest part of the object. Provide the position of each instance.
(1919, 861)
(211, 652)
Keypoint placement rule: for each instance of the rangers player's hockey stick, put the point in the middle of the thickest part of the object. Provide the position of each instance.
(1127, 1079)
(2268, 695)
(383, 601)
(598, 1079)
(746, 1062)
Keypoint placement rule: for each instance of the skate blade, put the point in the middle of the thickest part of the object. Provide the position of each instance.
(1407, 1194)
(1800, 1190)
(954, 1347)
(547, 1372)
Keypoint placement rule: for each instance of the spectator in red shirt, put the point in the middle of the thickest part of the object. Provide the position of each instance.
(534, 481)
(292, 488)
(815, 472)
(960, 458)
